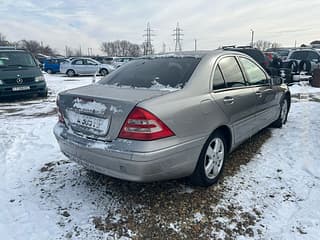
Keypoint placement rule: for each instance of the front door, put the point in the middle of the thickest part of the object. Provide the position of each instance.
(234, 97)
(267, 107)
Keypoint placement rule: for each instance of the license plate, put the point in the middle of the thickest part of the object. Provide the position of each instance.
(22, 88)
(98, 125)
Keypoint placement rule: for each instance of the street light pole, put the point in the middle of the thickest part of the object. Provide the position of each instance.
(252, 35)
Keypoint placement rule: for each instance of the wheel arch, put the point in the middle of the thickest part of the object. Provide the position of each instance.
(227, 133)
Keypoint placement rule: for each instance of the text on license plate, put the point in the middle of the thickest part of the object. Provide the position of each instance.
(22, 88)
(95, 123)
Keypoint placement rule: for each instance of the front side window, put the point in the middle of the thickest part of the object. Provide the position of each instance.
(312, 56)
(231, 72)
(155, 72)
(89, 62)
(254, 74)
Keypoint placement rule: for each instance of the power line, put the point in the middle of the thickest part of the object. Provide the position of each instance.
(177, 38)
(147, 46)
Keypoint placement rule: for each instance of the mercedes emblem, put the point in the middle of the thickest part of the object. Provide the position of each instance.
(19, 80)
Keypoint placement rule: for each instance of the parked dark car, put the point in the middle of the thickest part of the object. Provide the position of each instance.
(255, 53)
(169, 116)
(303, 59)
(52, 65)
(20, 75)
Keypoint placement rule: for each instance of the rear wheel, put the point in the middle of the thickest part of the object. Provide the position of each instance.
(283, 116)
(211, 161)
(70, 73)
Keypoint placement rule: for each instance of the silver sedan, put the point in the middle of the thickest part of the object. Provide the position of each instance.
(169, 116)
(84, 66)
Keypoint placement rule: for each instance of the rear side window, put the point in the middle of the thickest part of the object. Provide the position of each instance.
(218, 81)
(299, 55)
(154, 72)
(254, 74)
(231, 72)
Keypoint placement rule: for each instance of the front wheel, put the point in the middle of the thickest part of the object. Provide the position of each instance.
(283, 116)
(104, 72)
(211, 161)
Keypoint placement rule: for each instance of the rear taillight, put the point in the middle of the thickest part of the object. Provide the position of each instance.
(143, 125)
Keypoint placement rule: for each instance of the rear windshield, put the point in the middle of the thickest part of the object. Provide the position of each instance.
(23, 59)
(167, 72)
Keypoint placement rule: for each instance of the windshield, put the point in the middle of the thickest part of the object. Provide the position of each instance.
(23, 59)
(171, 72)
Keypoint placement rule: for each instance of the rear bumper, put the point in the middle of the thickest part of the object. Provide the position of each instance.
(169, 163)
(39, 88)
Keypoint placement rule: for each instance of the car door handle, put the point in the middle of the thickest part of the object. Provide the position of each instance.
(228, 100)
(259, 94)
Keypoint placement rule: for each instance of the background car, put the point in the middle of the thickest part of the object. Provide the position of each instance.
(255, 53)
(52, 65)
(103, 59)
(303, 59)
(119, 61)
(20, 75)
(281, 52)
(169, 116)
(85, 66)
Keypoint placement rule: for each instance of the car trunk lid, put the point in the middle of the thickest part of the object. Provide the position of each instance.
(99, 111)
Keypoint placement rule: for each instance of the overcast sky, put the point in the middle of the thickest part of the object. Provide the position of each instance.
(213, 23)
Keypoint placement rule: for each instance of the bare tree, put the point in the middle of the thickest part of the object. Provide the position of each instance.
(35, 47)
(121, 48)
(264, 45)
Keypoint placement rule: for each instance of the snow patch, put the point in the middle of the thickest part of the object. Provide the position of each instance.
(89, 106)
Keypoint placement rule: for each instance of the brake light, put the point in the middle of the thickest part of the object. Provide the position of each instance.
(145, 126)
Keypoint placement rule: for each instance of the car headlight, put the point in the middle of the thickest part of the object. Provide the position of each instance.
(1, 82)
(39, 79)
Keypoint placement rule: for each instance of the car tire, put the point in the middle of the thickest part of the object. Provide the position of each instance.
(283, 115)
(70, 73)
(104, 72)
(49, 71)
(305, 66)
(293, 65)
(211, 161)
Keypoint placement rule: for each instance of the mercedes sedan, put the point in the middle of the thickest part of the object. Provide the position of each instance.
(169, 116)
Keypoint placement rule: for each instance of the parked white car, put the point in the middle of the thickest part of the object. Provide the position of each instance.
(119, 61)
(85, 66)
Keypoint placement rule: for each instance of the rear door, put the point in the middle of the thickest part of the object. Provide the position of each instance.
(235, 98)
(267, 106)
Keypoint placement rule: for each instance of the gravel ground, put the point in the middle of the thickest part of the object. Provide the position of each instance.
(162, 210)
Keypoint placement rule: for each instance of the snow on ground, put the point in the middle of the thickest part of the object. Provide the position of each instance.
(45, 196)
